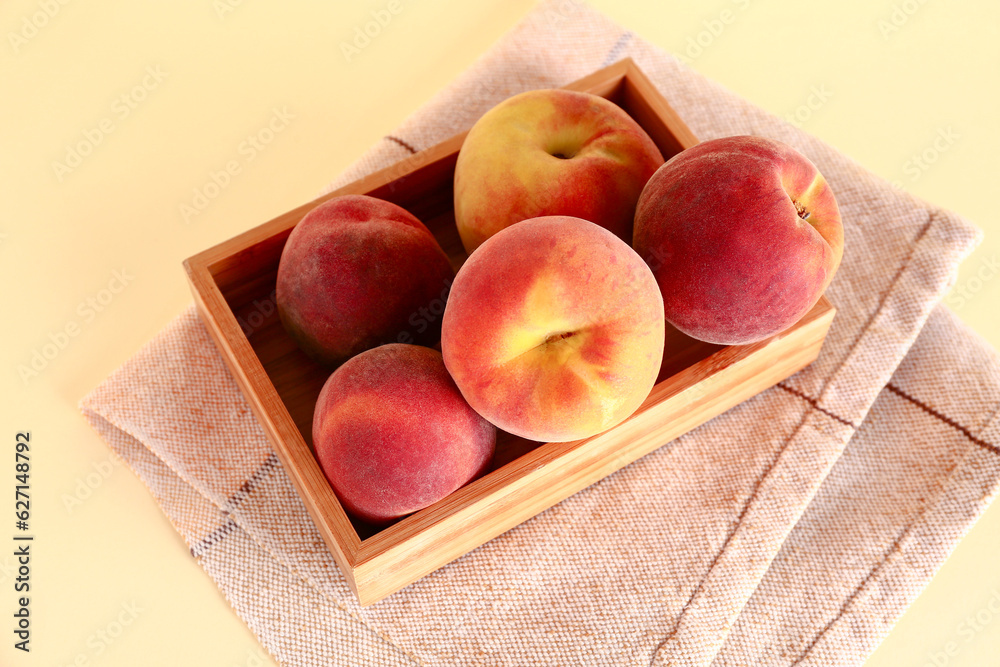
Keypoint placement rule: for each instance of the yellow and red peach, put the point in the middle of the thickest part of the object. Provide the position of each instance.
(551, 152)
(353, 273)
(554, 329)
(743, 234)
(393, 434)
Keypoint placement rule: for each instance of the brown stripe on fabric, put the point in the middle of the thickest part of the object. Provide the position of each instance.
(401, 143)
(213, 538)
(891, 289)
(616, 50)
(944, 418)
(266, 467)
(732, 533)
(895, 545)
(850, 598)
(813, 402)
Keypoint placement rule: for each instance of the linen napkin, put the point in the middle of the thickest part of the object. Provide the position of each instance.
(719, 548)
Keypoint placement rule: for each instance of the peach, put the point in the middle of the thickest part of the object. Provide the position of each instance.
(743, 234)
(554, 329)
(357, 272)
(393, 434)
(551, 152)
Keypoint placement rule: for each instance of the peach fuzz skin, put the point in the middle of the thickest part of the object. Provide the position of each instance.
(743, 234)
(353, 273)
(551, 152)
(554, 329)
(393, 434)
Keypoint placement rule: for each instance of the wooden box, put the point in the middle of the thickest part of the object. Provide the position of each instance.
(233, 285)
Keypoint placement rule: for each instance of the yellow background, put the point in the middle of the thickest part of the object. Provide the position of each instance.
(894, 75)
